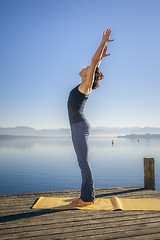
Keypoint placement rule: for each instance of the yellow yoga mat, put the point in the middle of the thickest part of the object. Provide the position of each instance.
(114, 203)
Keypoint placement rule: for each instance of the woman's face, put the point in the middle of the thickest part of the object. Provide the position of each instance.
(84, 72)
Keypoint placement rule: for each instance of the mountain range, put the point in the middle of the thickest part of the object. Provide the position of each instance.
(95, 131)
(138, 136)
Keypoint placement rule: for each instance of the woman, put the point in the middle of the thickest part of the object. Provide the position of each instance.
(91, 77)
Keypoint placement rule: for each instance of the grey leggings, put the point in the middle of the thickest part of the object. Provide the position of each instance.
(80, 133)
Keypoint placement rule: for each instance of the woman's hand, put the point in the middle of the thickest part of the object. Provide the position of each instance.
(105, 51)
(106, 36)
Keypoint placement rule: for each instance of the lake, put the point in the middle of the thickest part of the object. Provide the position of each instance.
(33, 164)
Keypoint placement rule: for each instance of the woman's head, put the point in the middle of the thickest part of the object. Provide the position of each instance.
(98, 76)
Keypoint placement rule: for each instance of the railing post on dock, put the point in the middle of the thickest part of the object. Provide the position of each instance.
(149, 173)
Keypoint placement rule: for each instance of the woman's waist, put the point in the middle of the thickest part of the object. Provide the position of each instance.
(77, 117)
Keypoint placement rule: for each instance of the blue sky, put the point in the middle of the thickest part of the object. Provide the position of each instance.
(45, 43)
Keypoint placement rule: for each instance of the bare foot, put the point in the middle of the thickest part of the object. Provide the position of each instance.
(75, 200)
(81, 203)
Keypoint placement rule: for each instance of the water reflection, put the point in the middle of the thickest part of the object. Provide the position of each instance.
(31, 142)
(49, 164)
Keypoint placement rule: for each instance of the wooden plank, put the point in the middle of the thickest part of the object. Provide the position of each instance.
(18, 221)
(86, 225)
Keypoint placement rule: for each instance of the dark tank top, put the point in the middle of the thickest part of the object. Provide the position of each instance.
(76, 103)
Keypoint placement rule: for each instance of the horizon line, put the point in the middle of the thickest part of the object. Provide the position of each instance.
(23, 126)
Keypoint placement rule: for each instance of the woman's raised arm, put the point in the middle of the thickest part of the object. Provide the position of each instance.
(97, 58)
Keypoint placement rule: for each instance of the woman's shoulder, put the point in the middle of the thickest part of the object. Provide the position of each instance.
(83, 89)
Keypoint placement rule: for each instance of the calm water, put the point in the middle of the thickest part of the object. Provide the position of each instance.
(49, 164)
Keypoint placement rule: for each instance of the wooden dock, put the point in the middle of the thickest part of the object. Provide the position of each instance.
(19, 221)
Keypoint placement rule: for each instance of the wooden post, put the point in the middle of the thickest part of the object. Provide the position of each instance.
(149, 173)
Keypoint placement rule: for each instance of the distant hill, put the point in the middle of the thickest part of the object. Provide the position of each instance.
(95, 131)
(123, 131)
(147, 135)
(27, 131)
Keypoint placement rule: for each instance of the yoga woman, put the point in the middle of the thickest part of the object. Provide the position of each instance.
(91, 77)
